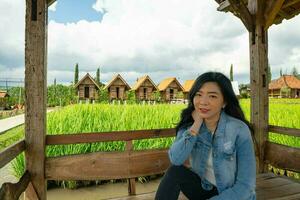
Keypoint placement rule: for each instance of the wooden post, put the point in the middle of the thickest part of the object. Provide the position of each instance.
(131, 181)
(258, 42)
(35, 95)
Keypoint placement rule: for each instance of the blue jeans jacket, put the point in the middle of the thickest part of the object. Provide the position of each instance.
(233, 157)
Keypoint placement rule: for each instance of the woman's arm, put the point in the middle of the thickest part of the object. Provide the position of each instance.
(182, 147)
(244, 185)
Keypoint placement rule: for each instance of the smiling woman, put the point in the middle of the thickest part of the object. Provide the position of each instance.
(214, 136)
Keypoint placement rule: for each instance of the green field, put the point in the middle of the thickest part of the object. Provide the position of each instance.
(103, 117)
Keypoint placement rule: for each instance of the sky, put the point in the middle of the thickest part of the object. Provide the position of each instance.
(170, 38)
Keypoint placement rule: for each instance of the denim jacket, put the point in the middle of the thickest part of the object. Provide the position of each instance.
(232, 154)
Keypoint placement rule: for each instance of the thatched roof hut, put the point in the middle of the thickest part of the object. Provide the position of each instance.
(87, 88)
(169, 89)
(117, 87)
(144, 88)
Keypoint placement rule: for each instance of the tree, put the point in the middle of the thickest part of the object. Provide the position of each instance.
(54, 83)
(280, 72)
(231, 72)
(98, 75)
(269, 74)
(76, 74)
(294, 71)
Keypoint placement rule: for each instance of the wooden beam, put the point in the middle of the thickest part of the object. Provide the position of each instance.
(285, 130)
(12, 191)
(131, 181)
(11, 152)
(272, 9)
(258, 42)
(283, 157)
(289, 3)
(224, 6)
(109, 136)
(107, 165)
(242, 11)
(35, 94)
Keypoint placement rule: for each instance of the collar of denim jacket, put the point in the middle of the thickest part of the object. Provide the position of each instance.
(221, 125)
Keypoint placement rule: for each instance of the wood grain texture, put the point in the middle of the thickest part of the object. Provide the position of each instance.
(11, 152)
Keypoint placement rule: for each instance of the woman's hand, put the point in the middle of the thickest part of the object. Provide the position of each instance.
(198, 120)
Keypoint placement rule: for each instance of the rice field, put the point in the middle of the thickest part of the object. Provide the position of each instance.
(103, 117)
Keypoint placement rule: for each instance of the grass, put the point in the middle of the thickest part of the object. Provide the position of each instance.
(102, 117)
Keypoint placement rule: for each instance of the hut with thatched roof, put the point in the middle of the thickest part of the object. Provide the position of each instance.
(169, 89)
(286, 86)
(87, 88)
(187, 87)
(144, 88)
(3, 99)
(117, 88)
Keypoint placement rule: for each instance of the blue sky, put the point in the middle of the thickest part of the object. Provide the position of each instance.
(68, 11)
(159, 38)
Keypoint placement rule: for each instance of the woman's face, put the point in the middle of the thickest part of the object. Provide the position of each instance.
(209, 101)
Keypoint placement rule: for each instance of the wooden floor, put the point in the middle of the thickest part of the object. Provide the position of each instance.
(268, 186)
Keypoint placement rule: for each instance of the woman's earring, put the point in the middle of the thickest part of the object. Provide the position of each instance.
(223, 106)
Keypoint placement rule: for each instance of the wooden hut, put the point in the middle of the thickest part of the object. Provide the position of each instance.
(117, 88)
(144, 88)
(3, 100)
(256, 15)
(169, 89)
(285, 86)
(187, 87)
(87, 88)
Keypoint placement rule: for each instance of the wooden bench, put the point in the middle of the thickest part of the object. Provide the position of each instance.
(269, 186)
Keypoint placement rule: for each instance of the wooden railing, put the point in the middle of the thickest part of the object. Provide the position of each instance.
(282, 156)
(10, 191)
(127, 164)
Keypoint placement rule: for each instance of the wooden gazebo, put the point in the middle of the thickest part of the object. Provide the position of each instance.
(256, 15)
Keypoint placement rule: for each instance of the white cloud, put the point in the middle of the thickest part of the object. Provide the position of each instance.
(137, 37)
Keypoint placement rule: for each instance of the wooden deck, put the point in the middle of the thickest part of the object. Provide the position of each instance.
(268, 186)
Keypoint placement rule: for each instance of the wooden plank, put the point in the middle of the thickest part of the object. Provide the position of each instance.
(12, 191)
(11, 152)
(289, 3)
(280, 191)
(284, 130)
(271, 182)
(282, 156)
(224, 6)
(36, 93)
(288, 197)
(272, 9)
(107, 165)
(242, 11)
(109, 136)
(148, 162)
(146, 196)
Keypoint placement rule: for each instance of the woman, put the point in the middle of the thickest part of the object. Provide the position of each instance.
(214, 136)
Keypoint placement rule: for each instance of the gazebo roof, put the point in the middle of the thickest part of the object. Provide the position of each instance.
(141, 80)
(276, 11)
(166, 82)
(285, 81)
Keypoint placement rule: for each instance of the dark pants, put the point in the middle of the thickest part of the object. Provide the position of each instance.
(180, 178)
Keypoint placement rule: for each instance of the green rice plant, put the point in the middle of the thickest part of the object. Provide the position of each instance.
(107, 118)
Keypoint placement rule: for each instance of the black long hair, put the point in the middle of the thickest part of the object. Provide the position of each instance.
(232, 107)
